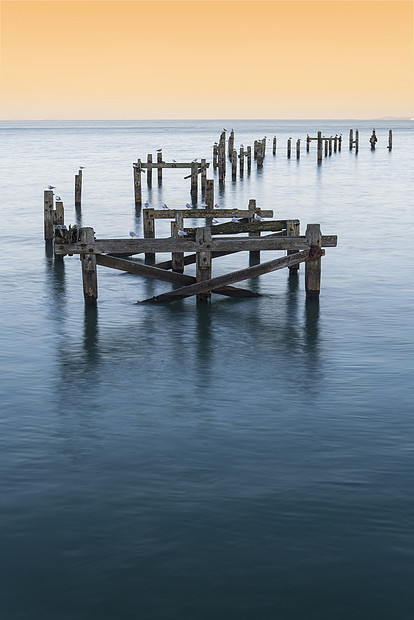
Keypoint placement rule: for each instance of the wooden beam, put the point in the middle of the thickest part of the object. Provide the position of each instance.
(156, 273)
(169, 214)
(231, 278)
(156, 165)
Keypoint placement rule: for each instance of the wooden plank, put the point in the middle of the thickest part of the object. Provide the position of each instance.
(156, 273)
(155, 165)
(241, 227)
(169, 214)
(231, 278)
(169, 244)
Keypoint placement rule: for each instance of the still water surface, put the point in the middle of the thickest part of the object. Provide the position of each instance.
(243, 459)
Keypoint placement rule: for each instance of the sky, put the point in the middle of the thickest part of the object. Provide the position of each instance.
(156, 59)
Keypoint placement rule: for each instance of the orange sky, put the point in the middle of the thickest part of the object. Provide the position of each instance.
(206, 59)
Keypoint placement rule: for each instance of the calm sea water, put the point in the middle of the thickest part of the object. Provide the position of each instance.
(243, 459)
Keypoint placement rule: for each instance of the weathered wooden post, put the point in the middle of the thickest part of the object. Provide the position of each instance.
(340, 143)
(373, 140)
(254, 256)
(351, 139)
(78, 189)
(203, 264)
(274, 145)
(210, 193)
(298, 149)
(215, 155)
(222, 157)
(177, 258)
(59, 214)
(241, 157)
(356, 141)
(149, 170)
(260, 154)
(48, 214)
(307, 143)
(313, 265)
(203, 175)
(263, 141)
(330, 146)
(194, 179)
(335, 144)
(255, 143)
(319, 147)
(234, 165)
(289, 147)
(292, 230)
(149, 232)
(326, 147)
(159, 172)
(390, 140)
(88, 262)
(137, 185)
(249, 158)
(231, 144)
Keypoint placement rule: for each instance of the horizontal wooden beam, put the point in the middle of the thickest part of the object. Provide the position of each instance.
(181, 244)
(167, 165)
(240, 227)
(156, 273)
(230, 278)
(167, 214)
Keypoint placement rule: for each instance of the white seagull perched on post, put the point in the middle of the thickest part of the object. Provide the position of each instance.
(217, 206)
(51, 187)
(164, 206)
(204, 204)
(58, 198)
(146, 205)
(132, 233)
(214, 221)
(257, 217)
(187, 204)
(181, 233)
(81, 167)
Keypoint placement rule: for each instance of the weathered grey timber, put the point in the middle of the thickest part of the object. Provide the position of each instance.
(168, 214)
(48, 214)
(149, 233)
(241, 157)
(177, 258)
(159, 171)
(184, 244)
(292, 230)
(149, 169)
(88, 262)
(254, 256)
(233, 165)
(351, 139)
(390, 140)
(297, 149)
(59, 214)
(194, 178)
(137, 168)
(274, 145)
(203, 172)
(319, 147)
(313, 267)
(78, 189)
(215, 155)
(356, 140)
(289, 147)
(203, 264)
(154, 272)
(373, 140)
(230, 145)
(237, 276)
(249, 159)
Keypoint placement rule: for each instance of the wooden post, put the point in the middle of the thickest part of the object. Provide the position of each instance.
(159, 161)
(330, 145)
(307, 143)
(263, 143)
(231, 144)
(274, 145)
(255, 149)
(149, 233)
(241, 157)
(222, 157)
(234, 165)
(298, 149)
(78, 189)
(203, 264)
(88, 262)
(292, 230)
(210, 194)
(289, 147)
(340, 143)
(48, 214)
(254, 256)
(249, 158)
(319, 147)
(59, 218)
(335, 144)
(194, 179)
(177, 258)
(203, 176)
(326, 147)
(137, 184)
(373, 140)
(356, 141)
(260, 153)
(215, 155)
(351, 139)
(149, 170)
(313, 267)
(390, 140)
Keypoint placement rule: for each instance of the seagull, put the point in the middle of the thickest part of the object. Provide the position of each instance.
(242, 146)
(224, 129)
(257, 217)
(187, 204)
(194, 160)
(81, 167)
(132, 233)
(235, 219)
(214, 221)
(204, 204)
(181, 233)
(173, 160)
(159, 150)
(146, 205)
(217, 206)
(51, 187)
(164, 206)
(58, 198)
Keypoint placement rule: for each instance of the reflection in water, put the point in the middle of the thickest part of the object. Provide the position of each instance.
(55, 283)
(90, 334)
